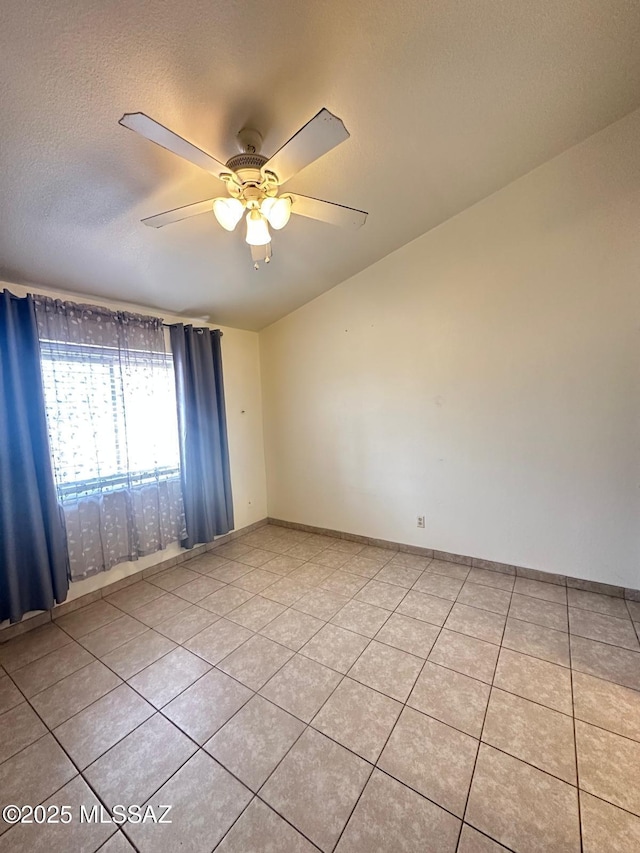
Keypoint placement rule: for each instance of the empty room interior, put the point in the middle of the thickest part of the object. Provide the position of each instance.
(319, 426)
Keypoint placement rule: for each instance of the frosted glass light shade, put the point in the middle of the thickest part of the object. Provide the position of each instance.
(257, 229)
(228, 212)
(277, 211)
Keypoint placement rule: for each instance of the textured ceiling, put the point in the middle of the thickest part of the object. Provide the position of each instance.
(446, 102)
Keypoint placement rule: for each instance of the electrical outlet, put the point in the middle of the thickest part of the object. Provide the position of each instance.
(421, 521)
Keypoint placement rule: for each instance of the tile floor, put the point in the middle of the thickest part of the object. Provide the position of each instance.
(293, 692)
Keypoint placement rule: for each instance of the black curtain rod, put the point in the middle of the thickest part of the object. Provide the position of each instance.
(170, 325)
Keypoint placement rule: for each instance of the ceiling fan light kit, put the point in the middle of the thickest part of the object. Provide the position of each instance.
(253, 180)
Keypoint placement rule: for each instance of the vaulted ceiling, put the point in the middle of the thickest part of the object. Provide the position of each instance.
(446, 102)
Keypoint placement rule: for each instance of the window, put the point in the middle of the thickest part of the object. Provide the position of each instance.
(112, 419)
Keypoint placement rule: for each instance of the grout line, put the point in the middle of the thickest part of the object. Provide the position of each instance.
(575, 739)
(484, 720)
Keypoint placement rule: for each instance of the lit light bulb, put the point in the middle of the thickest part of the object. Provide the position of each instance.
(257, 229)
(228, 212)
(277, 211)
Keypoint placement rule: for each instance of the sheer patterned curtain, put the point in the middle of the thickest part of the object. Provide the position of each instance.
(111, 411)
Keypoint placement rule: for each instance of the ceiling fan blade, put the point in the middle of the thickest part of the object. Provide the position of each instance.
(179, 213)
(165, 138)
(327, 211)
(318, 136)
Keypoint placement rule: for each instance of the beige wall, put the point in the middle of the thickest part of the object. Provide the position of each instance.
(244, 422)
(486, 375)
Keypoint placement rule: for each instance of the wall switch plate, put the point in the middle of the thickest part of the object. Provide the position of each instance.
(421, 521)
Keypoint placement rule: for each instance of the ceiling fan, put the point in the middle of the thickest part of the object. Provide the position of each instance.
(253, 181)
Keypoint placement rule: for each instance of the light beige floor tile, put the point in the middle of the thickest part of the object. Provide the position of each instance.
(73, 693)
(432, 758)
(429, 608)
(412, 561)
(254, 740)
(390, 818)
(292, 629)
(532, 733)
(160, 609)
(320, 603)
(633, 608)
(450, 697)
(604, 661)
(31, 646)
(171, 579)
(607, 828)
(386, 595)
(261, 829)
(187, 624)
(485, 597)
(472, 841)
(286, 591)
(497, 580)
(306, 551)
(10, 696)
(359, 718)
(87, 619)
(199, 588)
(227, 571)
(343, 583)
(133, 769)
(544, 643)
(42, 673)
(301, 687)
(347, 547)
(335, 647)
(134, 655)
(311, 574)
(233, 550)
(225, 599)
(134, 596)
(539, 589)
(34, 774)
(522, 807)
(609, 766)
(207, 705)
(403, 576)
(163, 680)
(113, 635)
(410, 635)
(336, 782)
(331, 558)
(439, 585)
(364, 566)
(19, 727)
(204, 798)
(256, 580)
(256, 557)
(605, 604)
(77, 835)
(373, 552)
(450, 570)
(256, 613)
(538, 680)
(467, 655)
(604, 629)
(607, 705)
(117, 844)
(545, 613)
(282, 564)
(256, 661)
(218, 640)
(476, 623)
(93, 731)
(388, 670)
